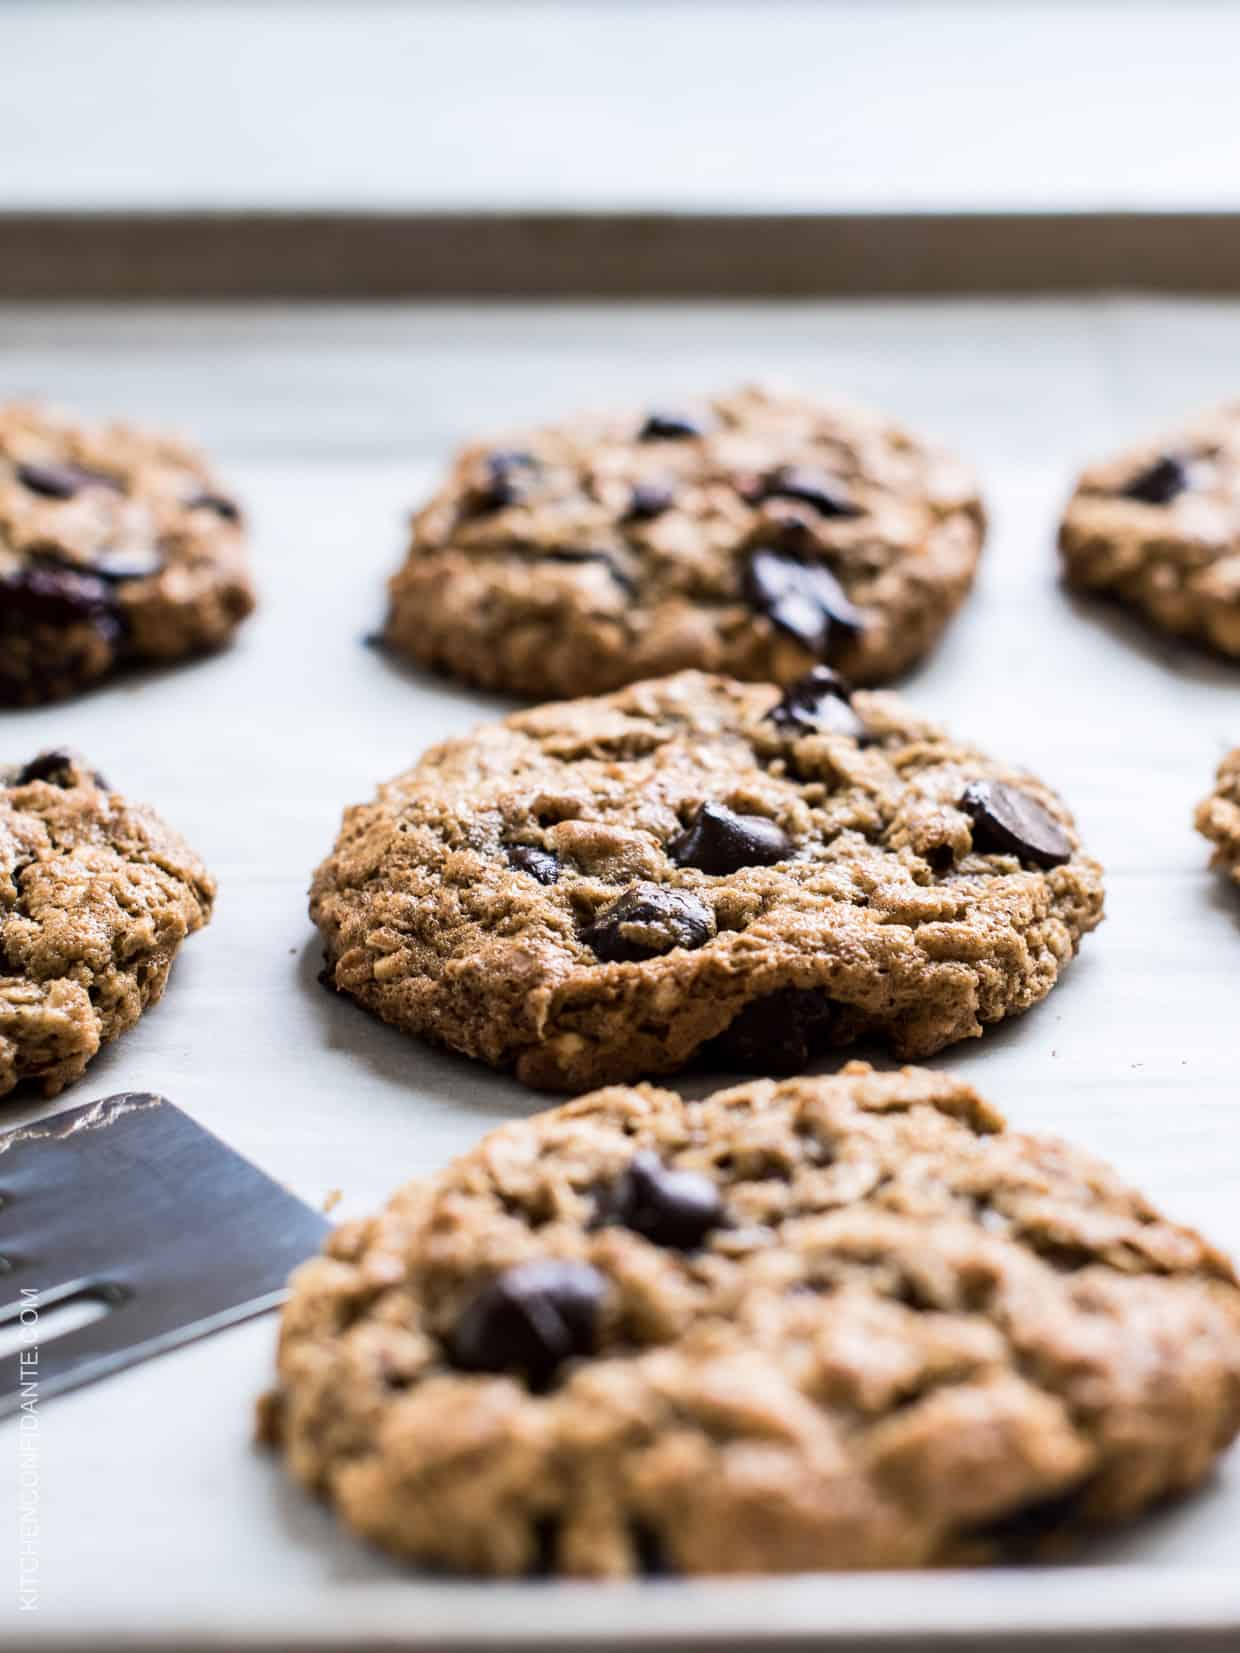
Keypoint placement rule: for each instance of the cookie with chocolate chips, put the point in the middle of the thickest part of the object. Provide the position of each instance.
(116, 547)
(1218, 816)
(696, 868)
(751, 533)
(1158, 529)
(851, 1322)
(96, 896)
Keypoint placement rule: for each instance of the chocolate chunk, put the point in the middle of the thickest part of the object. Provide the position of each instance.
(649, 499)
(824, 493)
(55, 767)
(1159, 483)
(219, 503)
(137, 563)
(539, 863)
(57, 596)
(648, 920)
(803, 599)
(530, 1319)
(665, 425)
(546, 1538)
(818, 704)
(505, 483)
(1022, 1534)
(1007, 821)
(669, 1208)
(717, 841)
(782, 1032)
(57, 481)
(648, 1548)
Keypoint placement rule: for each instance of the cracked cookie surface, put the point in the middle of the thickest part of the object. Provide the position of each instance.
(96, 896)
(753, 533)
(694, 867)
(117, 547)
(1158, 528)
(840, 1322)
(1218, 816)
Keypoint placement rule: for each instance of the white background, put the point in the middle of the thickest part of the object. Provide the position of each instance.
(798, 105)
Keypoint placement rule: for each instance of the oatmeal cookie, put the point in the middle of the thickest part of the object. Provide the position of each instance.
(752, 533)
(851, 1322)
(96, 896)
(116, 547)
(600, 889)
(1218, 816)
(1158, 528)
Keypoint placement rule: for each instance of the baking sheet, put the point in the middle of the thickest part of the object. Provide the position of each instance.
(157, 1516)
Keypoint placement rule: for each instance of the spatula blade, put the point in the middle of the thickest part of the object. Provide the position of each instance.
(130, 1203)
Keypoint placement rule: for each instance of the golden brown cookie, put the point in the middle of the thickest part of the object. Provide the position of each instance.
(831, 1323)
(1158, 528)
(96, 896)
(599, 889)
(116, 547)
(1218, 816)
(752, 533)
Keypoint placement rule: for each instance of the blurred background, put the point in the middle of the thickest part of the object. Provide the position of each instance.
(515, 146)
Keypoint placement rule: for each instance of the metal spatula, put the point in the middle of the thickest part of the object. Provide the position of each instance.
(128, 1205)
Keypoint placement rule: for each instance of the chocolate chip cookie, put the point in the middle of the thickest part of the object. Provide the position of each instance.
(752, 533)
(598, 889)
(828, 1323)
(1218, 816)
(1158, 528)
(96, 896)
(116, 547)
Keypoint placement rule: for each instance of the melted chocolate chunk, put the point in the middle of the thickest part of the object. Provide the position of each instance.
(779, 1034)
(818, 704)
(670, 1208)
(57, 596)
(1007, 821)
(546, 1535)
(803, 599)
(1159, 483)
(53, 480)
(530, 1320)
(718, 842)
(664, 425)
(648, 920)
(55, 767)
(1025, 1533)
(824, 493)
(539, 863)
(648, 1547)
